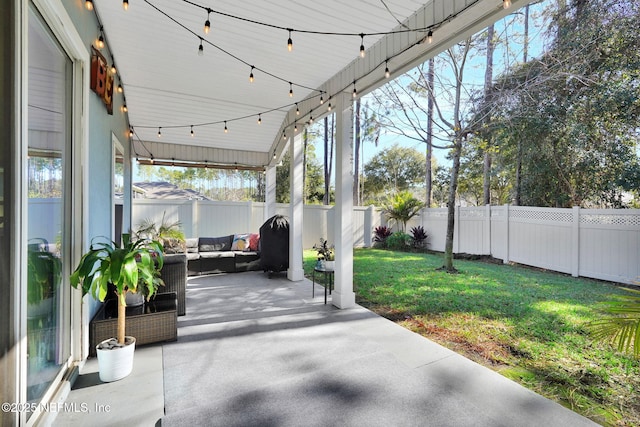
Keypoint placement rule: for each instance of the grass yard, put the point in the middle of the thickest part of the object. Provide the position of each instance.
(524, 323)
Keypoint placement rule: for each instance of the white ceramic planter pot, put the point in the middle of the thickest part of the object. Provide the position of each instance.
(117, 362)
(330, 265)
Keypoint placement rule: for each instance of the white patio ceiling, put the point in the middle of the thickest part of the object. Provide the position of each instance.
(169, 86)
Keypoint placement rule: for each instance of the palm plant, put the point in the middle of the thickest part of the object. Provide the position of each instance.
(129, 267)
(622, 327)
(402, 207)
(167, 233)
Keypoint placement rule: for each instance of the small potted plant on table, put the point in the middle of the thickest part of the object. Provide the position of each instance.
(326, 255)
(129, 268)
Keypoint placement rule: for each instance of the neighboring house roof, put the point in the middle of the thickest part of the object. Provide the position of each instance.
(165, 190)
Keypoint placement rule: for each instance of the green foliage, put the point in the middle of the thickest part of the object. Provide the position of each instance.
(168, 234)
(401, 207)
(314, 181)
(325, 251)
(398, 241)
(381, 233)
(393, 170)
(622, 327)
(43, 273)
(127, 268)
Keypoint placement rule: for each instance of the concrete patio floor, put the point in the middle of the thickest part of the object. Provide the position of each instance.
(259, 351)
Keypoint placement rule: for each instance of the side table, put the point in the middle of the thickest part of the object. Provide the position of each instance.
(327, 273)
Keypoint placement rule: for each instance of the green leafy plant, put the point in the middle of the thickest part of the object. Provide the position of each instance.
(402, 207)
(399, 241)
(43, 272)
(128, 268)
(325, 251)
(169, 234)
(622, 326)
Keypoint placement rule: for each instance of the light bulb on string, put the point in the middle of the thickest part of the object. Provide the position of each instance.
(251, 75)
(114, 70)
(284, 136)
(355, 92)
(151, 159)
(290, 90)
(430, 37)
(310, 118)
(88, 4)
(207, 23)
(289, 41)
(159, 132)
(125, 4)
(321, 99)
(124, 108)
(506, 4)
(295, 126)
(100, 42)
(226, 130)
(362, 53)
(131, 131)
(259, 119)
(120, 89)
(200, 48)
(192, 134)
(297, 110)
(387, 73)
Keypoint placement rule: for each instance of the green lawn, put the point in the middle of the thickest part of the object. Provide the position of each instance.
(524, 323)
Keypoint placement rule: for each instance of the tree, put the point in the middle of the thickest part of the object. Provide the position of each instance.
(401, 207)
(367, 130)
(393, 170)
(313, 180)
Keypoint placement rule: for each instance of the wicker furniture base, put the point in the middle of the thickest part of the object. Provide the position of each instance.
(174, 275)
(155, 321)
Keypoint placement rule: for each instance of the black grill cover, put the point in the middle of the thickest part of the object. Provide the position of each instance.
(274, 244)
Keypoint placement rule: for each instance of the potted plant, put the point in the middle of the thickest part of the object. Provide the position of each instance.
(130, 268)
(326, 254)
(167, 233)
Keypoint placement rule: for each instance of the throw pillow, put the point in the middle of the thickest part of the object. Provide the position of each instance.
(240, 242)
(254, 240)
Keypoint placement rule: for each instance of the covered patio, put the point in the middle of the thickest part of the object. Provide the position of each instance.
(259, 351)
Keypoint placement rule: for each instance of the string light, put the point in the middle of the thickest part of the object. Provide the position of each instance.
(113, 66)
(290, 90)
(151, 159)
(207, 23)
(289, 42)
(251, 74)
(226, 130)
(321, 99)
(159, 133)
(430, 37)
(259, 119)
(88, 4)
(295, 126)
(192, 134)
(355, 92)
(124, 108)
(131, 131)
(125, 4)
(362, 53)
(120, 89)
(329, 106)
(310, 118)
(274, 151)
(506, 4)
(100, 42)
(200, 48)
(387, 73)
(284, 136)
(297, 110)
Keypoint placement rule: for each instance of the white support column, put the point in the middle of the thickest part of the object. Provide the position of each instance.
(343, 295)
(296, 206)
(269, 193)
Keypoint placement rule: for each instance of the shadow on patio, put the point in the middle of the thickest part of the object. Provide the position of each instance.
(259, 351)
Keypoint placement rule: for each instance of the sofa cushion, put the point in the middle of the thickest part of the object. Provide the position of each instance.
(192, 245)
(192, 256)
(211, 244)
(240, 242)
(217, 254)
(254, 241)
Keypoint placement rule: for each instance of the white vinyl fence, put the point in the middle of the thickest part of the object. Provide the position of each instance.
(601, 244)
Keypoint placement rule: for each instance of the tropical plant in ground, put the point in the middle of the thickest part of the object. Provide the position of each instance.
(418, 237)
(622, 327)
(401, 207)
(399, 241)
(381, 233)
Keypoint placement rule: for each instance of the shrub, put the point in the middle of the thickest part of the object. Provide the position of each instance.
(399, 241)
(419, 237)
(381, 234)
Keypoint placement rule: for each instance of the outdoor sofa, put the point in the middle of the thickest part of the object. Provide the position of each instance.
(224, 254)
